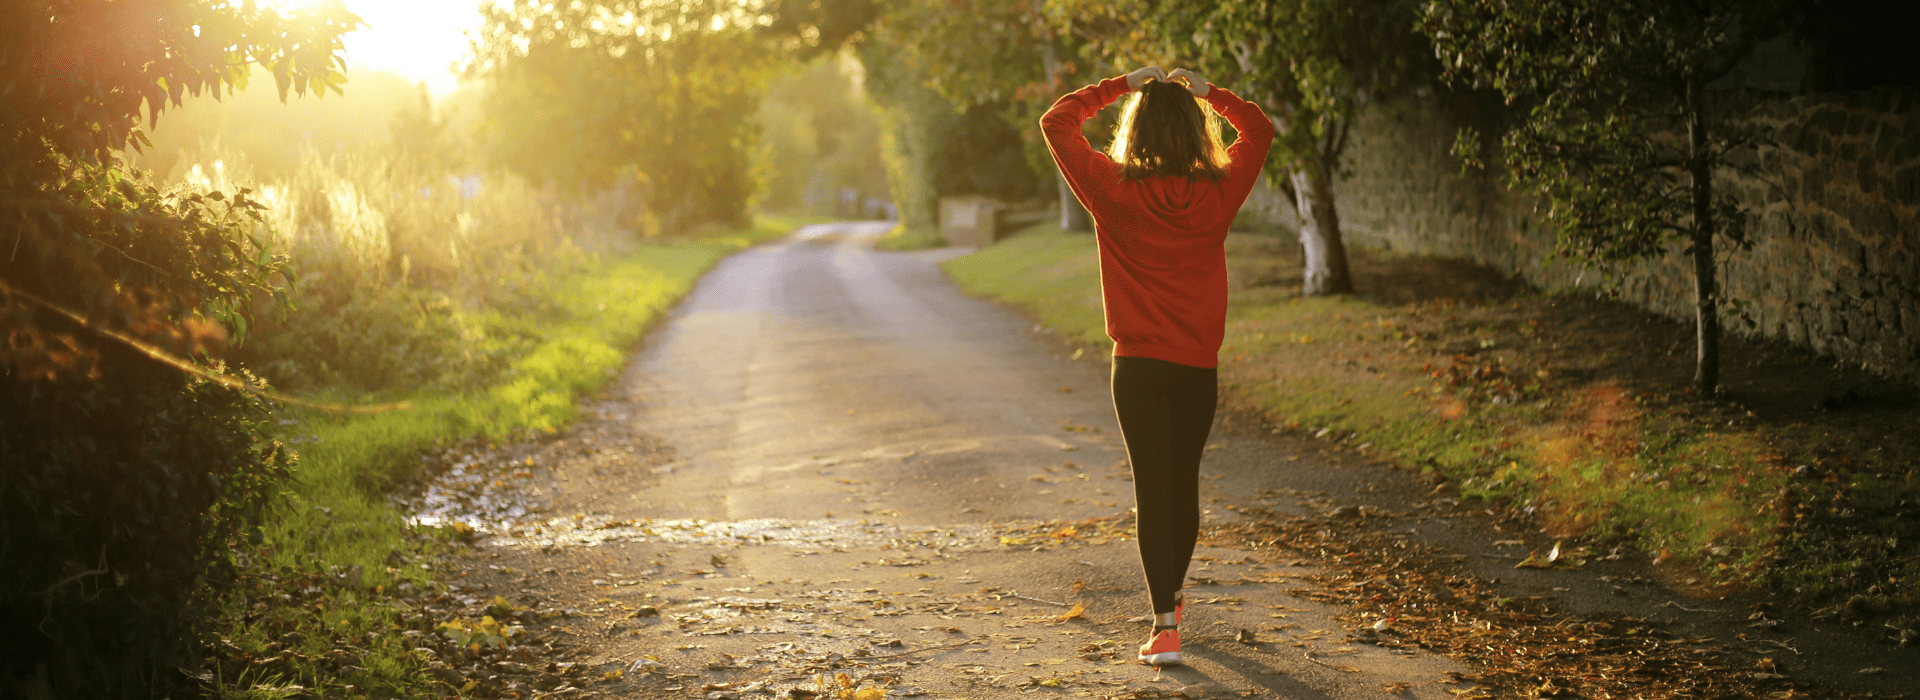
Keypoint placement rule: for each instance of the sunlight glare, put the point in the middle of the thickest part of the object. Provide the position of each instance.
(419, 39)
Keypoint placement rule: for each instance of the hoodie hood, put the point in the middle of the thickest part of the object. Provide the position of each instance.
(1181, 203)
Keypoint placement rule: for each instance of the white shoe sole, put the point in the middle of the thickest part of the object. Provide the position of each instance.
(1171, 658)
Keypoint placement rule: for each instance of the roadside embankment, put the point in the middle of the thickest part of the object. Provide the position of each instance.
(336, 598)
(1568, 410)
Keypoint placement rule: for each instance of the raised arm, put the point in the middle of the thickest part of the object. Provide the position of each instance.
(1248, 154)
(1062, 123)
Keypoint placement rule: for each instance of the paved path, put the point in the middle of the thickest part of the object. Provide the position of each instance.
(830, 461)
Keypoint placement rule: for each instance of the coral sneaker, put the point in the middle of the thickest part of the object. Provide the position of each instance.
(1164, 650)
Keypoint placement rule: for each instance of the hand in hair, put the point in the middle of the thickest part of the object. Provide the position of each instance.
(1195, 84)
(1139, 77)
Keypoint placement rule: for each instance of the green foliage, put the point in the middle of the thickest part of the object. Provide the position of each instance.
(1312, 64)
(580, 324)
(335, 515)
(391, 252)
(122, 481)
(935, 149)
(992, 59)
(959, 86)
(1054, 274)
(273, 137)
(658, 97)
(819, 135)
(976, 51)
(1604, 86)
(80, 73)
(904, 237)
(1619, 134)
(118, 492)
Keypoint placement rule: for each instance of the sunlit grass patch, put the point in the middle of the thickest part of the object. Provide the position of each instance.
(904, 237)
(1053, 273)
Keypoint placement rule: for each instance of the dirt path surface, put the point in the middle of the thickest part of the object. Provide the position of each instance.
(831, 462)
(829, 473)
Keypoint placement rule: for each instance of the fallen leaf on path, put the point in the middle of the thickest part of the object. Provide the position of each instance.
(1078, 611)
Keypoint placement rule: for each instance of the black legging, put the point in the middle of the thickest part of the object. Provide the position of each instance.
(1166, 411)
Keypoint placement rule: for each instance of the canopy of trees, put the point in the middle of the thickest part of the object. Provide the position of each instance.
(659, 96)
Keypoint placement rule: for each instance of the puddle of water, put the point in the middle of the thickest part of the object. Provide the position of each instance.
(592, 531)
(477, 490)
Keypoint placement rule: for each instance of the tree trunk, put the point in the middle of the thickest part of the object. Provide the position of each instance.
(1706, 293)
(1326, 256)
(1073, 217)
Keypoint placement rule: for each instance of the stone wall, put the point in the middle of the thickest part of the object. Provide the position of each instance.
(1835, 264)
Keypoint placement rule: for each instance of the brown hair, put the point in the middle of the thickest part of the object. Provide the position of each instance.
(1164, 132)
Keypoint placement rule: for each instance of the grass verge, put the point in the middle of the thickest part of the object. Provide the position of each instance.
(323, 610)
(1534, 402)
(903, 238)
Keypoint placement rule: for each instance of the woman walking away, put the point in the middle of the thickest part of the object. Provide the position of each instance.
(1161, 200)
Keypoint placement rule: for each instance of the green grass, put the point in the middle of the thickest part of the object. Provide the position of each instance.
(335, 516)
(1367, 376)
(903, 237)
(1054, 274)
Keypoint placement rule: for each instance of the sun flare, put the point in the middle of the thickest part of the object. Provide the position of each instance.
(419, 39)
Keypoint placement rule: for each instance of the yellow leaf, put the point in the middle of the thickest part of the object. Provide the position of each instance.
(1079, 610)
(1051, 682)
(870, 693)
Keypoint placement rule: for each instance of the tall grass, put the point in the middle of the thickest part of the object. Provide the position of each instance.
(487, 304)
(405, 275)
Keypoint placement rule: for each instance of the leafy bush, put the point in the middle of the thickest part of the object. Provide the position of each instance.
(403, 272)
(123, 479)
(117, 495)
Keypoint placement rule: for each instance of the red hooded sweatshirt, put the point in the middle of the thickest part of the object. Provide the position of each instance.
(1163, 258)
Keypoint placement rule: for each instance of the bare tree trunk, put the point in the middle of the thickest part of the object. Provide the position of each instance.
(1073, 217)
(1706, 293)
(1326, 256)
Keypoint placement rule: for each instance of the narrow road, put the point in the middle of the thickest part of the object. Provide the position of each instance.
(829, 461)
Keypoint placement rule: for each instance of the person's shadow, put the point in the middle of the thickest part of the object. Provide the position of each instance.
(1232, 657)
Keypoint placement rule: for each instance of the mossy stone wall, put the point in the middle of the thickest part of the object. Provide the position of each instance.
(1835, 264)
